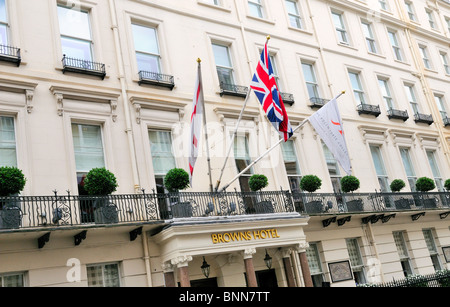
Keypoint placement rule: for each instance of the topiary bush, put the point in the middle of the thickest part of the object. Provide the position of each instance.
(12, 180)
(258, 182)
(349, 183)
(310, 183)
(447, 184)
(176, 179)
(425, 184)
(397, 184)
(100, 181)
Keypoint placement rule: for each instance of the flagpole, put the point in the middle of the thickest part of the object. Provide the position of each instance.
(269, 150)
(230, 146)
(206, 132)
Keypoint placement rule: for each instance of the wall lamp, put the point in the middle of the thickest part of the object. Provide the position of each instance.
(268, 260)
(205, 268)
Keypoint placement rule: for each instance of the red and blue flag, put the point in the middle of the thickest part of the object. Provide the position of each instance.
(266, 89)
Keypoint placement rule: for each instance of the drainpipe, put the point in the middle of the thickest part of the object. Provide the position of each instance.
(126, 106)
(147, 259)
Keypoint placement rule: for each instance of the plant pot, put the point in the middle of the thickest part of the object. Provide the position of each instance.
(265, 206)
(355, 205)
(183, 209)
(429, 203)
(315, 206)
(403, 203)
(105, 212)
(10, 218)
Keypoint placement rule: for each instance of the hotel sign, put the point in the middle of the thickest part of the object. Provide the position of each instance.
(247, 235)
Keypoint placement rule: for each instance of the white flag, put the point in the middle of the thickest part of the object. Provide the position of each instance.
(196, 123)
(328, 124)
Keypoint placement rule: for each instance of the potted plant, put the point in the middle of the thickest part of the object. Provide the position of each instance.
(312, 183)
(12, 182)
(256, 183)
(100, 183)
(447, 184)
(425, 184)
(396, 186)
(350, 183)
(175, 180)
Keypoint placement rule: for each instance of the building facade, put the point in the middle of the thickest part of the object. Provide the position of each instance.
(110, 83)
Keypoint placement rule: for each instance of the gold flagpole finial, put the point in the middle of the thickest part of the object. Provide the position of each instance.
(199, 60)
(268, 37)
(343, 92)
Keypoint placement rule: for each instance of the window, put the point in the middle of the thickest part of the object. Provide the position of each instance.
(395, 45)
(424, 54)
(357, 87)
(147, 50)
(162, 155)
(12, 280)
(403, 252)
(370, 39)
(333, 169)
(242, 160)
(3, 24)
(447, 21)
(8, 154)
(441, 106)
(75, 32)
(410, 10)
(256, 8)
(379, 168)
(215, 2)
(409, 168)
(340, 28)
(431, 20)
(356, 261)
(386, 93)
(431, 155)
(291, 164)
(444, 60)
(412, 98)
(295, 19)
(310, 79)
(103, 275)
(275, 72)
(223, 64)
(431, 245)
(88, 148)
(383, 5)
(314, 263)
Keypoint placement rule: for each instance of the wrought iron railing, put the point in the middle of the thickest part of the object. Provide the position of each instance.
(398, 114)
(233, 90)
(83, 66)
(287, 98)
(423, 118)
(317, 102)
(10, 54)
(154, 78)
(61, 210)
(369, 109)
(438, 279)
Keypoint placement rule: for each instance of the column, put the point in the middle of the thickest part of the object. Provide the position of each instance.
(169, 276)
(301, 249)
(183, 269)
(288, 267)
(249, 268)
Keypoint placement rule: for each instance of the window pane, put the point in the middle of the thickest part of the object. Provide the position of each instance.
(3, 15)
(161, 149)
(3, 36)
(78, 49)
(74, 23)
(378, 160)
(221, 55)
(145, 39)
(404, 152)
(111, 275)
(433, 164)
(148, 62)
(290, 158)
(88, 147)
(12, 280)
(7, 142)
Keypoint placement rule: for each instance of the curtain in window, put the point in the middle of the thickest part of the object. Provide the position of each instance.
(161, 148)
(88, 147)
(8, 155)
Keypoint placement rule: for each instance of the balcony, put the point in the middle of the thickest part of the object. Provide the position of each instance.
(369, 109)
(446, 121)
(83, 67)
(317, 103)
(154, 78)
(10, 54)
(287, 98)
(59, 211)
(398, 114)
(423, 118)
(233, 90)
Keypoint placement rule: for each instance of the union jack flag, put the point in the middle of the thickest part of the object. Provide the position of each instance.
(266, 89)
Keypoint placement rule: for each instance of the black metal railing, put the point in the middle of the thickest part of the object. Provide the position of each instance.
(317, 102)
(397, 114)
(287, 98)
(154, 78)
(369, 109)
(10, 54)
(233, 90)
(438, 279)
(423, 118)
(83, 66)
(59, 210)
